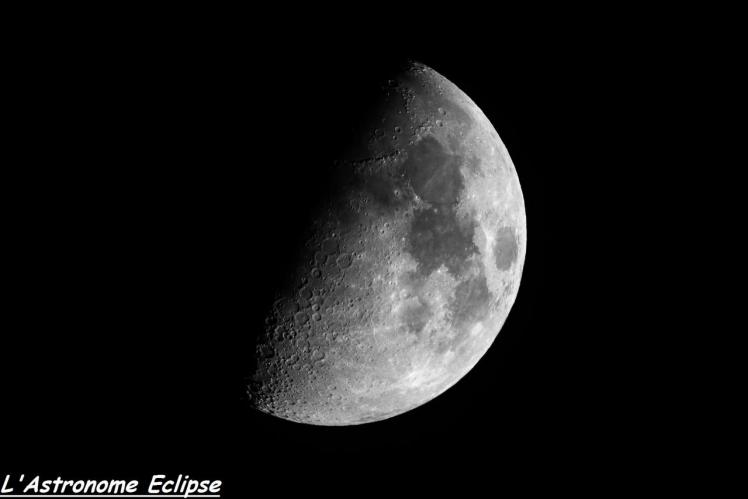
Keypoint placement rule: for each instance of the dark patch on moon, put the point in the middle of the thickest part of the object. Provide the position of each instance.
(436, 238)
(471, 301)
(416, 316)
(505, 248)
(433, 172)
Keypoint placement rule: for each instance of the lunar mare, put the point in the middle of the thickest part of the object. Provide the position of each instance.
(409, 273)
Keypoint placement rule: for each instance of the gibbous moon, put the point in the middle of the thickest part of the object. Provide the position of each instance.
(409, 273)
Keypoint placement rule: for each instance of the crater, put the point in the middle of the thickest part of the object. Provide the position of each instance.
(454, 111)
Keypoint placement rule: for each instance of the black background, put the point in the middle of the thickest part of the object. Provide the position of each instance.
(158, 194)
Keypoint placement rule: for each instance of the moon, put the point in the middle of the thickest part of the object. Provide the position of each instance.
(408, 273)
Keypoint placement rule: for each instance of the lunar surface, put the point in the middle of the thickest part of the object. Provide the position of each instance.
(408, 274)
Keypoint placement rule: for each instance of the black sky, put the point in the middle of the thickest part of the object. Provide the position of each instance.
(158, 198)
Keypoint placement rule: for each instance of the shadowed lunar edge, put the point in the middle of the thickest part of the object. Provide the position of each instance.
(410, 272)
